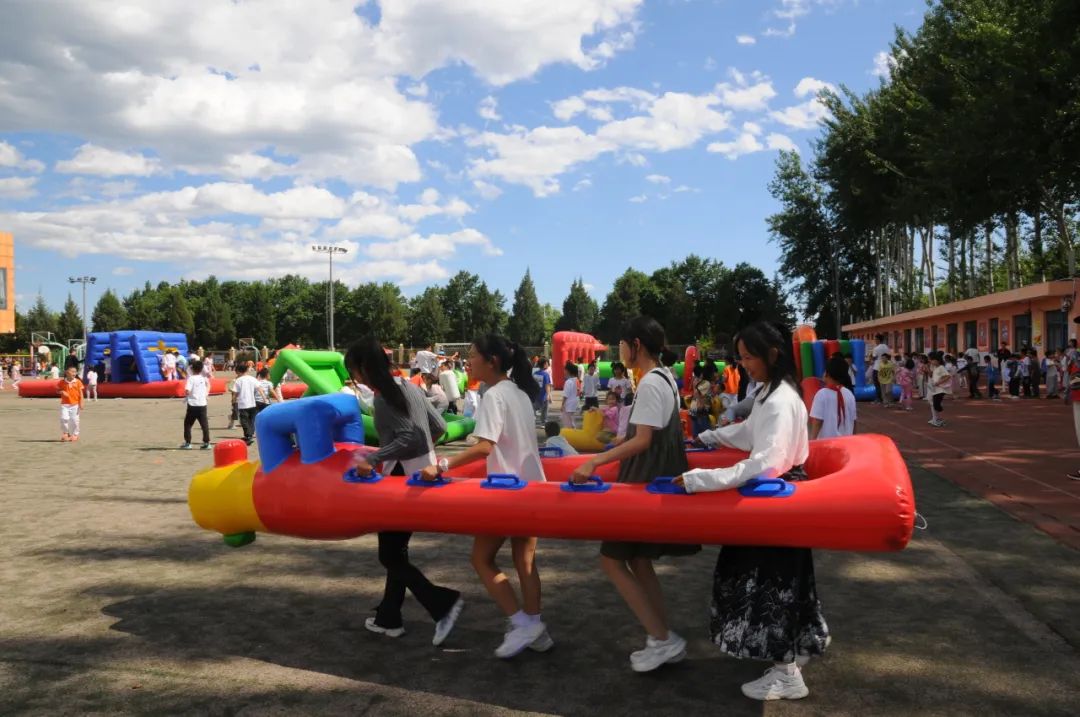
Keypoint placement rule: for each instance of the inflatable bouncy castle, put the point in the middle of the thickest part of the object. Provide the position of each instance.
(858, 495)
(577, 348)
(133, 359)
(811, 354)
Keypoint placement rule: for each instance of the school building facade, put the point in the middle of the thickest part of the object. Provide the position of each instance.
(1040, 315)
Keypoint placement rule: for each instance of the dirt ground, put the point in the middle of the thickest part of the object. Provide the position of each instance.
(115, 602)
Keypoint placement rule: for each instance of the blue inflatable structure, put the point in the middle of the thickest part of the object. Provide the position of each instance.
(133, 355)
(317, 422)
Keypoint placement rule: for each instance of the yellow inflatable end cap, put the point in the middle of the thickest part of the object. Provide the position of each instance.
(221, 499)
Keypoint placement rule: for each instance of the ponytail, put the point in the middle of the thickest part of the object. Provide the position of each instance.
(511, 358)
(667, 357)
(368, 358)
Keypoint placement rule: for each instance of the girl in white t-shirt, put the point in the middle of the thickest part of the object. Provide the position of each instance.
(653, 447)
(765, 603)
(571, 389)
(833, 411)
(619, 384)
(506, 439)
(91, 384)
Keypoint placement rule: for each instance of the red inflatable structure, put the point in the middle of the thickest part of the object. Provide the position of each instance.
(690, 360)
(571, 346)
(858, 497)
(46, 388)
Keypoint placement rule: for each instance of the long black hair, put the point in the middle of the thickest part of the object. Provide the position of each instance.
(837, 370)
(368, 358)
(508, 356)
(760, 339)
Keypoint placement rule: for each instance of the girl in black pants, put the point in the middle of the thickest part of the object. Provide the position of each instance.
(406, 423)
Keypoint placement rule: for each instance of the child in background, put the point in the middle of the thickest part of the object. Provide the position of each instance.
(449, 382)
(1012, 376)
(554, 440)
(91, 384)
(570, 395)
(1051, 371)
(1025, 374)
(886, 375)
(700, 402)
(992, 378)
(244, 389)
(590, 387)
(70, 390)
(961, 372)
(543, 381)
(954, 381)
(196, 389)
(54, 372)
(234, 414)
(611, 411)
(264, 391)
(940, 385)
(1034, 373)
(16, 374)
(905, 378)
(472, 397)
(434, 393)
(850, 368)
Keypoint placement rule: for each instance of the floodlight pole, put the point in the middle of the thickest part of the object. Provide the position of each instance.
(330, 250)
(84, 280)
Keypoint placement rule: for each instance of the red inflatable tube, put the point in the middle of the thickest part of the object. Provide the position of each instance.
(292, 390)
(859, 497)
(46, 388)
(832, 346)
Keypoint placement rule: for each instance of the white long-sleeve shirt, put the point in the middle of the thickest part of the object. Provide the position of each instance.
(775, 435)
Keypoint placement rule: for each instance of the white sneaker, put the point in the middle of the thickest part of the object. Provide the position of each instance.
(519, 638)
(542, 643)
(444, 626)
(658, 652)
(388, 631)
(777, 684)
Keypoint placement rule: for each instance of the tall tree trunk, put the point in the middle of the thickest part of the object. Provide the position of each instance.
(950, 237)
(989, 229)
(1066, 235)
(1011, 240)
(1037, 252)
(961, 278)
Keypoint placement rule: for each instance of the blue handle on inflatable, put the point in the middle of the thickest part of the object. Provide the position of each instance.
(353, 476)
(705, 449)
(767, 488)
(417, 482)
(503, 481)
(595, 485)
(665, 485)
(551, 451)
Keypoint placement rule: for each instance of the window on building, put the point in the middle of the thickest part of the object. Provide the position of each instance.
(994, 339)
(950, 338)
(918, 346)
(1021, 330)
(1057, 336)
(971, 335)
(933, 338)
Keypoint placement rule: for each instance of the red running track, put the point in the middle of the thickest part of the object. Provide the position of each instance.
(1014, 453)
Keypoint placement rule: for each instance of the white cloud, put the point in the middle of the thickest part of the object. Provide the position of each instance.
(434, 246)
(674, 120)
(488, 109)
(17, 187)
(486, 189)
(748, 143)
(790, 11)
(710, 64)
(752, 127)
(11, 157)
(639, 199)
(535, 157)
(684, 188)
(636, 159)
(658, 179)
(582, 185)
(884, 64)
(809, 86)
(746, 39)
(103, 162)
(742, 95)
(420, 89)
(807, 115)
(123, 271)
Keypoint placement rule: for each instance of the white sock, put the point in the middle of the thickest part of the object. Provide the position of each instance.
(533, 619)
(520, 619)
(789, 668)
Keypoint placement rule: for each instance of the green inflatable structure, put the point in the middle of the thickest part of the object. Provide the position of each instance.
(324, 373)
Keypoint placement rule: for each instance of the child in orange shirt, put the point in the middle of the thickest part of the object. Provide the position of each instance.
(70, 390)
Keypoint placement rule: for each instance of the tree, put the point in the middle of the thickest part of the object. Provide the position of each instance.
(487, 315)
(622, 304)
(40, 318)
(427, 319)
(458, 297)
(389, 321)
(551, 319)
(108, 314)
(213, 324)
(178, 318)
(263, 325)
(69, 325)
(294, 302)
(526, 325)
(144, 309)
(579, 310)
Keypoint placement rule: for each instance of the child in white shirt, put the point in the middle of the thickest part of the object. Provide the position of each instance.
(590, 387)
(570, 396)
(91, 384)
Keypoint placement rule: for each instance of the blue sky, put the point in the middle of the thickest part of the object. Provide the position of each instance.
(155, 141)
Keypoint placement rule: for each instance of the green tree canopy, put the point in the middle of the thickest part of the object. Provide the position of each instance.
(109, 314)
(526, 325)
(69, 324)
(579, 310)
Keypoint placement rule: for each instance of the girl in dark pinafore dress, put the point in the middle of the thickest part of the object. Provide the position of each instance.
(765, 604)
(653, 447)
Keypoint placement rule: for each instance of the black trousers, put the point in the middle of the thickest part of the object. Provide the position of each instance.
(973, 385)
(877, 387)
(247, 422)
(402, 575)
(196, 413)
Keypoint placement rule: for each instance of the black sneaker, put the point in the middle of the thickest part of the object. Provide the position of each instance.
(1075, 475)
(206, 446)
